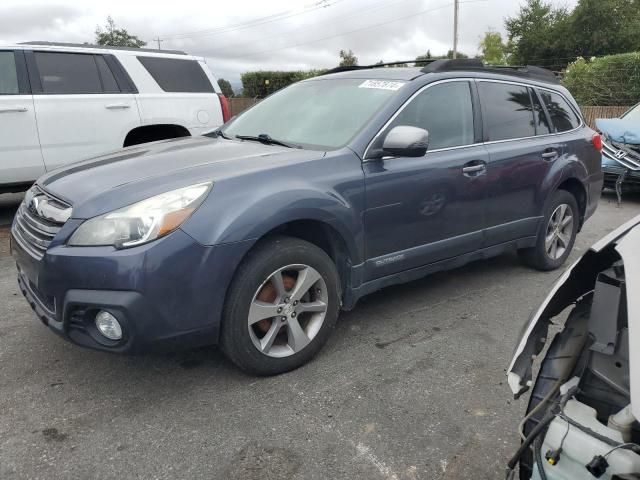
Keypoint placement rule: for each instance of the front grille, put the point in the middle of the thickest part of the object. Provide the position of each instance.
(34, 231)
(625, 155)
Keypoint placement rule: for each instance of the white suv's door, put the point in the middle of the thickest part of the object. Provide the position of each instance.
(20, 156)
(175, 90)
(80, 105)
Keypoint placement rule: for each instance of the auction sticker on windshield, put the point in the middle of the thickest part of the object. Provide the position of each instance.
(381, 84)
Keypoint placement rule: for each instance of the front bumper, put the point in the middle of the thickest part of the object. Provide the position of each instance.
(167, 294)
(612, 174)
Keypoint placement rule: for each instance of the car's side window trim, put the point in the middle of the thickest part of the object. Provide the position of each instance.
(34, 74)
(407, 102)
(579, 115)
(478, 126)
(483, 142)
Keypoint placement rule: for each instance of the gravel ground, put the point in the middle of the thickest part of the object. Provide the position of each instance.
(410, 386)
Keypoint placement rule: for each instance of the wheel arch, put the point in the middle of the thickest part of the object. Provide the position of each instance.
(155, 132)
(324, 236)
(576, 188)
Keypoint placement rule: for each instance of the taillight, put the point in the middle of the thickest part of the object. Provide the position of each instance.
(224, 103)
(597, 141)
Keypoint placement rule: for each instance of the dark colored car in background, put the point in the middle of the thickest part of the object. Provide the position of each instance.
(255, 236)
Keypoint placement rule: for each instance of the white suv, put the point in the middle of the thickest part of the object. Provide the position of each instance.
(60, 103)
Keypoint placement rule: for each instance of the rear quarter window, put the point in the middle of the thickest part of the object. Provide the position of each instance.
(176, 75)
(562, 115)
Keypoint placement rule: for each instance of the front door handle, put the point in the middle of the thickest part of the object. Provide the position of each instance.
(474, 169)
(550, 154)
(116, 106)
(13, 109)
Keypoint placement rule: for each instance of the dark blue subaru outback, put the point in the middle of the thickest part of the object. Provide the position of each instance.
(256, 235)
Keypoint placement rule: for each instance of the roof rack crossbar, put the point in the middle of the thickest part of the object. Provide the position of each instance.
(377, 65)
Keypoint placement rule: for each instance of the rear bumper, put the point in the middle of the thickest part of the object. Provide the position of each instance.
(167, 295)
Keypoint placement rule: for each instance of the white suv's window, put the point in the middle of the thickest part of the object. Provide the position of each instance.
(8, 74)
(175, 75)
(64, 73)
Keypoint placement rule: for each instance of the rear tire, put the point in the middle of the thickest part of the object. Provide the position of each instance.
(556, 235)
(271, 280)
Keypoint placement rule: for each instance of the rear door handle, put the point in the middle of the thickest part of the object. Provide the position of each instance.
(474, 170)
(550, 154)
(116, 106)
(13, 109)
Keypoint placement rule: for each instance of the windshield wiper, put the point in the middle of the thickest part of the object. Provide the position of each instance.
(219, 133)
(265, 138)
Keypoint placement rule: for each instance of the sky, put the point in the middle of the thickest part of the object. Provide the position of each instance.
(242, 35)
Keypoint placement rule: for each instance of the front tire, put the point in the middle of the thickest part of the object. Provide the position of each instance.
(281, 307)
(556, 235)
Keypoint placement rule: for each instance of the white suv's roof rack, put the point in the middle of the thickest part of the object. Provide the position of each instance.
(105, 47)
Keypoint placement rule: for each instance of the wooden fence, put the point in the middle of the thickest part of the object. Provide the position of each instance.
(591, 113)
(239, 104)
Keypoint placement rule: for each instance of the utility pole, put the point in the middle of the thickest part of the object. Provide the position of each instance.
(159, 40)
(456, 5)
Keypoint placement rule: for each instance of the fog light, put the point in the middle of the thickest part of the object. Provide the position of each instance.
(108, 325)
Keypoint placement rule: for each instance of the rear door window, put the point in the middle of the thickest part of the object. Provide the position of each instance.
(445, 111)
(563, 117)
(507, 111)
(68, 73)
(8, 74)
(176, 75)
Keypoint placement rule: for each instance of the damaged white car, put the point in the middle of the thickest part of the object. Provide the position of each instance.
(582, 417)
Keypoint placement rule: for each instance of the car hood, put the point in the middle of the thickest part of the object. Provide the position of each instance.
(576, 281)
(619, 130)
(128, 175)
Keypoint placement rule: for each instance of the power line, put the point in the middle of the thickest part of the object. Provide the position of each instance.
(253, 23)
(370, 9)
(299, 44)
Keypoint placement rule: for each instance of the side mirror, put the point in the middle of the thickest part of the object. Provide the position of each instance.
(406, 141)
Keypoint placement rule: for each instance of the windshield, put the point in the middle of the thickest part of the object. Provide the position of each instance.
(633, 114)
(320, 114)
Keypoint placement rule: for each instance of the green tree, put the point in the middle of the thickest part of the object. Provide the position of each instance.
(538, 35)
(449, 55)
(604, 27)
(493, 49)
(225, 86)
(116, 37)
(347, 59)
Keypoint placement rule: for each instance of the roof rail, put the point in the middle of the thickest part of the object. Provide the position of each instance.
(526, 71)
(377, 65)
(104, 47)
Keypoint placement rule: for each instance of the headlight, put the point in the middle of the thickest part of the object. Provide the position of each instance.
(141, 222)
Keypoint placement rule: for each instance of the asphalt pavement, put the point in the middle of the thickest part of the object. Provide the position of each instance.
(410, 386)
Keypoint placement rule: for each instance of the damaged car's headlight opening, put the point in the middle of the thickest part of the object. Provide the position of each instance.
(141, 222)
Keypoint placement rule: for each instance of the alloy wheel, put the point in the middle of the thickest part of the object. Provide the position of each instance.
(559, 231)
(288, 310)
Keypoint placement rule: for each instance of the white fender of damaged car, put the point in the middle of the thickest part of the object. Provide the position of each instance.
(627, 240)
